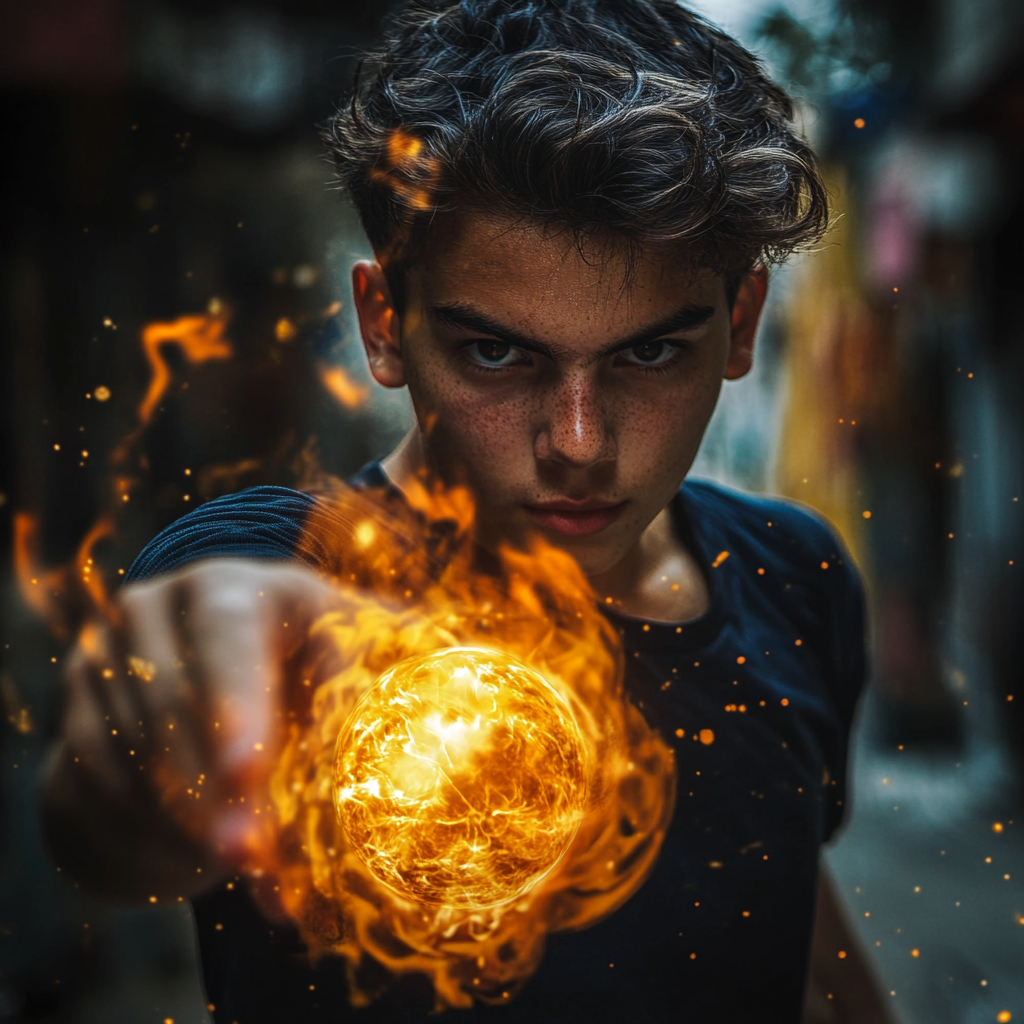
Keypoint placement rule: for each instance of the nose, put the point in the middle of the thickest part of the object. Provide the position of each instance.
(575, 430)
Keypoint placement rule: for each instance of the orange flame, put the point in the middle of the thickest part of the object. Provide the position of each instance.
(409, 171)
(38, 586)
(200, 338)
(41, 588)
(84, 563)
(413, 585)
(342, 387)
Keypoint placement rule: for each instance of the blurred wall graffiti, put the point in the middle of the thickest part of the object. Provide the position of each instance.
(176, 326)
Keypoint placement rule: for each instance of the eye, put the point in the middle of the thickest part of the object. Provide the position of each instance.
(651, 353)
(494, 354)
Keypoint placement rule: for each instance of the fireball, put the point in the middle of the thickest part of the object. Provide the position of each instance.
(460, 778)
(466, 775)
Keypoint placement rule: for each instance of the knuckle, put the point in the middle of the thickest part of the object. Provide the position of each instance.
(226, 600)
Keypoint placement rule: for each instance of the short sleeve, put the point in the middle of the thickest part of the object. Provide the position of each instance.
(833, 598)
(814, 589)
(261, 523)
(846, 669)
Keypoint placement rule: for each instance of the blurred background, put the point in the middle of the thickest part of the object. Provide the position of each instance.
(162, 161)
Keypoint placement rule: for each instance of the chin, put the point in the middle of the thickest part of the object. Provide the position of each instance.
(593, 557)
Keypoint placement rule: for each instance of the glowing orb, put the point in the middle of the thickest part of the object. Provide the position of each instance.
(459, 778)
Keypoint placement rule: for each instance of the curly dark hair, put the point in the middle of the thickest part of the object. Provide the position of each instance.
(623, 119)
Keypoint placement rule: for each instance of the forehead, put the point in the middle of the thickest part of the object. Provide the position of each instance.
(540, 279)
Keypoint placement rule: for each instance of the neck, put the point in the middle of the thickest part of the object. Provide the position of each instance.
(659, 579)
(407, 462)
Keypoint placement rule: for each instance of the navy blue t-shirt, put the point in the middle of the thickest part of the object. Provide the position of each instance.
(720, 930)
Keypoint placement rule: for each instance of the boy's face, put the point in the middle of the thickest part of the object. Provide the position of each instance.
(569, 395)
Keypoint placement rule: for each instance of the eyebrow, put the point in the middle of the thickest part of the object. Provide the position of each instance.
(464, 317)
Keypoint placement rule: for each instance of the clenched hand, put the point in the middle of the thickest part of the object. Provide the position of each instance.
(171, 723)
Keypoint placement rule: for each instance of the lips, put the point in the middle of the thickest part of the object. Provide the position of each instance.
(575, 518)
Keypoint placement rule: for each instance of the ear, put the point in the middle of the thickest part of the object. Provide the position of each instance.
(379, 324)
(746, 314)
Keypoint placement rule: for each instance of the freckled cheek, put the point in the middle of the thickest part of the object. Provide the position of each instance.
(658, 435)
(494, 432)
(488, 435)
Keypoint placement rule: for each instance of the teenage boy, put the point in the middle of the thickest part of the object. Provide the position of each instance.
(572, 204)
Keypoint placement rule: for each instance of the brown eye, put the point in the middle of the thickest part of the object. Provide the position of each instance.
(495, 355)
(493, 351)
(651, 353)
